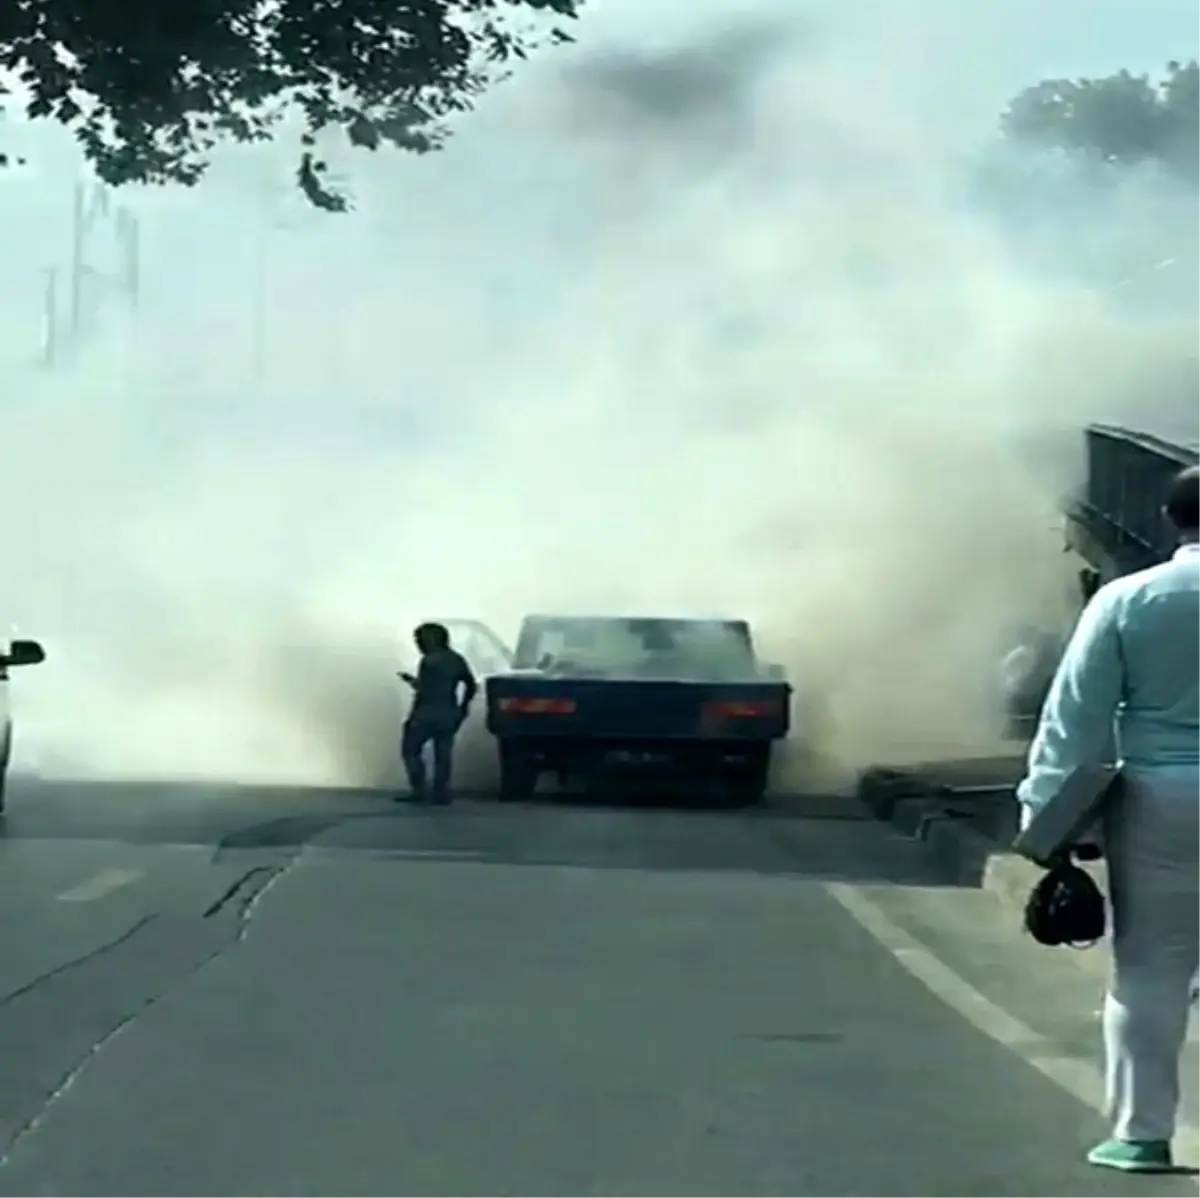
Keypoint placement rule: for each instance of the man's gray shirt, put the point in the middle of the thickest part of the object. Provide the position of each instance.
(436, 694)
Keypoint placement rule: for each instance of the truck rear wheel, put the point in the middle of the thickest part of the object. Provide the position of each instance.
(518, 774)
(748, 787)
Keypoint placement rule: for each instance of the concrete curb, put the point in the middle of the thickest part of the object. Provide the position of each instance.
(945, 821)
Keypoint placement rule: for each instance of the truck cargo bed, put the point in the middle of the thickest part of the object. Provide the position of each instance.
(666, 731)
(635, 708)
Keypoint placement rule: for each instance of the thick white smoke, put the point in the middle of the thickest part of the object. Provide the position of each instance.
(699, 316)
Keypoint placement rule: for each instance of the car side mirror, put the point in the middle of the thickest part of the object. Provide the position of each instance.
(24, 653)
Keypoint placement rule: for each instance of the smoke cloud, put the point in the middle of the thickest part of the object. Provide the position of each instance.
(707, 315)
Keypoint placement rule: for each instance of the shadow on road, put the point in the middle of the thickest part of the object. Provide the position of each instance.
(822, 837)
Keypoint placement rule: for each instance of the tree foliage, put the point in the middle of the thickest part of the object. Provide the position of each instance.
(150, 87)
(1121, 119)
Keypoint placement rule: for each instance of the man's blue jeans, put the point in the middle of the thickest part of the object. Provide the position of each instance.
(436, 730)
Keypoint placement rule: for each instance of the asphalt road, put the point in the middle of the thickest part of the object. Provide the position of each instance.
(215, 991)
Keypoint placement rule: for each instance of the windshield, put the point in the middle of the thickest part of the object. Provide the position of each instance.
(639, 647)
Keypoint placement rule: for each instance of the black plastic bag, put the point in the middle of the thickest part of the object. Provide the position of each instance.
(1066, 907)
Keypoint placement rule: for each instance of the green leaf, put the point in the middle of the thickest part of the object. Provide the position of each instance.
(149, 100)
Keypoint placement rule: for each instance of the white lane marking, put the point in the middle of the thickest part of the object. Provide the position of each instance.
(100, 885)
(1078, 1078)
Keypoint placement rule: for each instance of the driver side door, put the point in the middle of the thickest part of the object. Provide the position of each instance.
(485, 651)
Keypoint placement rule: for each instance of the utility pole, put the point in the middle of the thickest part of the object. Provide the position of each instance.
(275, 219)
(90, 210)
(50, 319)
(261, 298)
(129, 261)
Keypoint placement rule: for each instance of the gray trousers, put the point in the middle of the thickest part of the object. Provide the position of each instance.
(438, 731)
(1151, 843)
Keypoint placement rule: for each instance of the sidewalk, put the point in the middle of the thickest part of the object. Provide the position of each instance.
(966, 814)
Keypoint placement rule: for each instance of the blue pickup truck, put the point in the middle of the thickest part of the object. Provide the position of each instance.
(672, 701)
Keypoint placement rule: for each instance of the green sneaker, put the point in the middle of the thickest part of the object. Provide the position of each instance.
(1133, 1156)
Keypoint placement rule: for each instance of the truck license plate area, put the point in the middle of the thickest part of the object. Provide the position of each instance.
(634, 758)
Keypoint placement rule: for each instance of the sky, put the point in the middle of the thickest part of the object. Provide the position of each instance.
(698, 315)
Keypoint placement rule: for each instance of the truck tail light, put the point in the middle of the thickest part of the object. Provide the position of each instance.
(740, 709)
(537, 706)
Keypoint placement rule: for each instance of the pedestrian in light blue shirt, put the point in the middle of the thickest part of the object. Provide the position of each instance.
(1129, 682)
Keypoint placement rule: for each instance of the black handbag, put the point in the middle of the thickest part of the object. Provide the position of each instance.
(1066, 907)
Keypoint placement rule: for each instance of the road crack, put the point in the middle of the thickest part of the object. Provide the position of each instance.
(235, 888)
(244, 896)
(76, 962)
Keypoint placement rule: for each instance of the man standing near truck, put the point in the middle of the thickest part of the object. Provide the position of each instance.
(1025, 677)
(1130, 681)
(438, 711)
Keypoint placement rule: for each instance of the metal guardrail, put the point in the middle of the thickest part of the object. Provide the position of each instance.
(1182, 455)
(914, 802)
(1118, 514)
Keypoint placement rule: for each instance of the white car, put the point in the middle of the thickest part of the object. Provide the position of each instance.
(20, 653)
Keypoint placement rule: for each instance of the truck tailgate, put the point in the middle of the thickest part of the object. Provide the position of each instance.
(635, 709)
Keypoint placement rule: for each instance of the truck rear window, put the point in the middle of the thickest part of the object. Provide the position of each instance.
(638, 647)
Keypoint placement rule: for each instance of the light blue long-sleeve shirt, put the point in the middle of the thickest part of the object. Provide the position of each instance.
(1129, 680)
